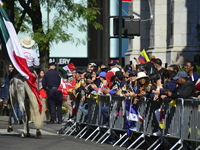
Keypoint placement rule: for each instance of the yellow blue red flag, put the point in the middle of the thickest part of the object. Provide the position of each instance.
(143, 58)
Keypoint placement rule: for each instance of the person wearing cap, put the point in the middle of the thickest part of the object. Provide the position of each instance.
(30, 55)
(92, 66)
(50, 82)
(185, 87)
(118, 83)
(113, 63)
(131, 86)
(111, 73)
(128, 67)
(103, 83)
(141, 68)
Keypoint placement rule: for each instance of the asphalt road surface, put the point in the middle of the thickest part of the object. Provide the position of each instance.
(50, 139)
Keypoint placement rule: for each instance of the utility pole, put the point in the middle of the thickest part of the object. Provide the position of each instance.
(120, 32)
(106, 31)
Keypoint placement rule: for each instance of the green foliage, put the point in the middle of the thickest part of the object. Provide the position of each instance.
(182, 69)
(66, 13)
(198, 69)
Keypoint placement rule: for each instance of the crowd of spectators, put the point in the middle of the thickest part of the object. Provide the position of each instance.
(149, 80)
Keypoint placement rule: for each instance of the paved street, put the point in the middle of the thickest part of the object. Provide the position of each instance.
(50, 139)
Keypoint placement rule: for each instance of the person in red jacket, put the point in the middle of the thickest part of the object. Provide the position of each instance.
(111, 72)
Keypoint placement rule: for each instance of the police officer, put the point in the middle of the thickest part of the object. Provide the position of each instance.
(51, 82)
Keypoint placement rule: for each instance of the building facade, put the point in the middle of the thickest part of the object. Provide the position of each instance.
(167, 27)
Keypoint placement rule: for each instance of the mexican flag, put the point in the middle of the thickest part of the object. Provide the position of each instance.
(13, 52)
(69, 68)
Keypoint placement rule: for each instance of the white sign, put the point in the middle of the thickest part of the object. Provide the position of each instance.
(61, 61)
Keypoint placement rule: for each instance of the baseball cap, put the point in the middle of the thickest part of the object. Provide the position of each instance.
(52, 64)
(113, 63)
(180, 74)
(92, 64)
(102, 74)
(132, 73)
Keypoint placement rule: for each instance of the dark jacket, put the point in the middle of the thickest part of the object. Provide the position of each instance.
(195, 77)
(171, 86)
(185, 90)
(51, 79)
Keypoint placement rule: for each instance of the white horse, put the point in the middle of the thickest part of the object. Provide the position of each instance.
(20, 92)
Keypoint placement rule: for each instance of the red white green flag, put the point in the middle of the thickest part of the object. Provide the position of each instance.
(69, 68)
(13, 52)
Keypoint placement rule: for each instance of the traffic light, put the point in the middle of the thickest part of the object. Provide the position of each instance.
(130, 27)
(116, 26)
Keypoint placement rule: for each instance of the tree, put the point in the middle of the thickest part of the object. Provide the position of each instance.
(27, 13)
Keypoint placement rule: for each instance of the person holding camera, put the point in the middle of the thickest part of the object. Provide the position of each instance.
(131, 86)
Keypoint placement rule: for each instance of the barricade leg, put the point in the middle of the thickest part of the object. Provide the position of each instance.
(141, 136)
(163, 141)
(139, 144)
(180, 147)
(95, 136)
(97, 129)
(177, 143)
(158, 144)
(81, 132)
(73, 128)
(65, 127)
(84, 133)
(154, 144)
(107, 132)
(120, 139)
(124, 142)
(198, 148)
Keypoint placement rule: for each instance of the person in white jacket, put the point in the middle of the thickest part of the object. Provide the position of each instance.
(30, 55)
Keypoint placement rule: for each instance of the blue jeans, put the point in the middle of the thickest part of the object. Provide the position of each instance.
(5, 89)
(84, 109)
(17, 111)
(104, 112)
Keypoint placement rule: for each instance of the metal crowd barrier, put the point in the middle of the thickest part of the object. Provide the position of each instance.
(190, 124)
(181, 122)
